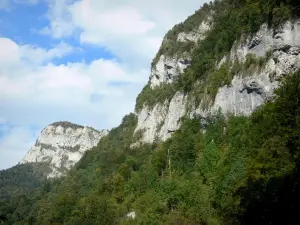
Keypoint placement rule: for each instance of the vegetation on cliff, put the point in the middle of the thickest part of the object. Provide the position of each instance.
(240, 171)
(231, 19)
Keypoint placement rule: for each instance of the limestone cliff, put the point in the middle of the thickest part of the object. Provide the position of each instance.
(61, 145)
(278, 51)
(169, 66)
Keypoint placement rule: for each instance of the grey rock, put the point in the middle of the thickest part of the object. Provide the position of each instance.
(246, 92)
(61, 145)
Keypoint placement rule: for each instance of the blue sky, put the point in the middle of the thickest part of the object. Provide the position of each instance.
(83, 61)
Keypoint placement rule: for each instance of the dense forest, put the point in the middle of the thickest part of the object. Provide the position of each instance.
(21, 178)
(226, 170)
(239, 171)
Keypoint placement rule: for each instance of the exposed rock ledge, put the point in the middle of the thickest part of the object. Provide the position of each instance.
(169, 67)
(246, 92)
(61, 145)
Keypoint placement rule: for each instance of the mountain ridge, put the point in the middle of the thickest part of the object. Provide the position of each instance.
(61, 145)
(183, 158)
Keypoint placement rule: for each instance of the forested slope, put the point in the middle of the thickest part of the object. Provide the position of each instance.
(222, 169)
(240, 171)
(21, 178)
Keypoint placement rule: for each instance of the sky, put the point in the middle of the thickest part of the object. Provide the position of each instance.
(82, 61)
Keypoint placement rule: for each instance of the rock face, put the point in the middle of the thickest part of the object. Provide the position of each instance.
(168, 67)
(251, 89)
(61, 145)
(247, 91)
(161, 121)
(197, 34)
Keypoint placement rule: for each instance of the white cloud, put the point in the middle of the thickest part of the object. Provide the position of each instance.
(36, 92)
(131, 29)
(12, 53)
(9, 51)
(33, 93)
(35, 89)
(13, 144)
(60, 23)
(38, 55)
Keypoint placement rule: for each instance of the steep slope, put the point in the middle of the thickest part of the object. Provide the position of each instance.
(212, 143)
(61, 145)
(243, 76)
(21, 179)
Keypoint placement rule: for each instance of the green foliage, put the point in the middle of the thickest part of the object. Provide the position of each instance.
(21, 179)
(218, 79)
(250, 60)
(239, 171)
(171, 46)
(232, 20)
(281, 14)
(243, 18)
(150, 97)
(93, 210)
(138, 135)
(209, 161)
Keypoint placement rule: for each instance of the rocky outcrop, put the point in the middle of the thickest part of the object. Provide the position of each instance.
(175, 111)
(161, 121)
(61, 145)
(150, 120)
(169, 67)
(250, 89)
(197, 34)
(247, 91)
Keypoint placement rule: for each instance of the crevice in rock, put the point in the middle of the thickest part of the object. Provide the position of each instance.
(252, 87)
(276, 33)
(171, 131)
(168, 67)
(169, 76)
(284, 48)
(185, 62)
(148, 114)
(255, 41)
(295, 50)
(178, 121)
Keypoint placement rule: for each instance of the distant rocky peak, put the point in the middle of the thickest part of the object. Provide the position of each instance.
(66, 124)
(61, 145)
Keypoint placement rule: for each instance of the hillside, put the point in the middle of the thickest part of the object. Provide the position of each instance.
(215, 137)
(61, 145)
(21, 179)
(238, 53)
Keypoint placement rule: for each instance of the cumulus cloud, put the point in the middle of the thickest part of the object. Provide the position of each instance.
(13, 143)
(131, 29)
(60, 21)
(11, 53)
(26, 78)
(34, 91)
